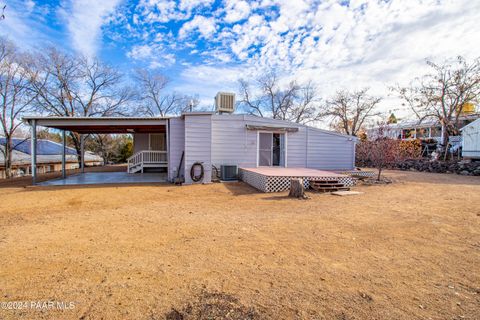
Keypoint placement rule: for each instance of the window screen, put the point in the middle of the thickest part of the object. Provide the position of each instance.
(265, 149)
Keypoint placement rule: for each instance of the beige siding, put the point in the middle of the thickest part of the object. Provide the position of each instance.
(232, 143)
(297, 148)
(177, 145)
(224, 139)
(198, 143)
(330, 152)
(308, 147)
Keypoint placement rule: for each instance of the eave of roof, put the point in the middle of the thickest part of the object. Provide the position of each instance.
(270, 128)
(471, 124)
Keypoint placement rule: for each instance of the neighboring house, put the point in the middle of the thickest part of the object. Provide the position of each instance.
(215, 139)
(49, 157)
(471, 140)
(414, 129)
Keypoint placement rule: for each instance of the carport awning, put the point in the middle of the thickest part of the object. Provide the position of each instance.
(271, 128)
(87, 125)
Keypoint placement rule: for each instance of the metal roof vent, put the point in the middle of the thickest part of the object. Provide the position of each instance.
(225, 102)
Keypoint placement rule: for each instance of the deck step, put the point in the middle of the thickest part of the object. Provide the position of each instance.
(327, 185)
(135, 169)
(324, 181)
(152, 159)
(332, 189)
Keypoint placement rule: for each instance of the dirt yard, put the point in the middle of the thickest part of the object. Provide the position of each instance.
(409, 250)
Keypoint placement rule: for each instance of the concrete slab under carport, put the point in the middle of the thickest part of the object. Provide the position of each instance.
(94, 178)
(91, 125)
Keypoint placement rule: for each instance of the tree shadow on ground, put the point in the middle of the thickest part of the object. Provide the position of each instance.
(240, 188)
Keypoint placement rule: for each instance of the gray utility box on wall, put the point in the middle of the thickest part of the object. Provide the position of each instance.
(228, 172)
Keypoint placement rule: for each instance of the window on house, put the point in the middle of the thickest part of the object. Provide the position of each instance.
(436, 132)
(408, 133)
(423, 133)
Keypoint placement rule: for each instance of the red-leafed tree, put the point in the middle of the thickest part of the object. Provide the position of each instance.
(382, 152)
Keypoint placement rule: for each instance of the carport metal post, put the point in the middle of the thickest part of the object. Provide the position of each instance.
(33, 147)
(64, 145)
(82, 151)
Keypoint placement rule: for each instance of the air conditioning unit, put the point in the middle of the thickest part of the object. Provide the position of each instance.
(228, 172)
(225, 102)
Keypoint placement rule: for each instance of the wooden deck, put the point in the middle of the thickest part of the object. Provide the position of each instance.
(275, 179)
(292, 172)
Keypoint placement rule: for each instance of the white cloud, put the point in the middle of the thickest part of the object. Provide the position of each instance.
(159, 10)
(372, 43)
(189, 5)
(206, 81)
(236, 10)
(205, 26)
(30, 5)
(25, 24)
(85, 19)
(140, 52)
(153, 54)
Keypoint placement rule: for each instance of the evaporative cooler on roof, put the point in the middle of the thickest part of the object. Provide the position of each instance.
(225, 102)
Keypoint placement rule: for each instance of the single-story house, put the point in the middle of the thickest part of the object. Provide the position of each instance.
(429, 129)
(49, 157)
(196, 142)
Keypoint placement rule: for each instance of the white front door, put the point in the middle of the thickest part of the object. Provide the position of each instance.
(271, 149)
(265, 146)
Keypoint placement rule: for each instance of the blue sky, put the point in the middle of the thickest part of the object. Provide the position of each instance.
(204, 46)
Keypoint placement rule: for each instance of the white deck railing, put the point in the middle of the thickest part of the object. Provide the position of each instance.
(148, 158)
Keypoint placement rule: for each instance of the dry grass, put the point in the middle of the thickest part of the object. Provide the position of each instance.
(409, 250)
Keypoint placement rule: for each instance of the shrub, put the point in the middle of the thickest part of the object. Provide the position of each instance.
(386, 153)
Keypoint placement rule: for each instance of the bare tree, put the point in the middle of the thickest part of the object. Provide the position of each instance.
(107, 146)
(267, 98)
(103, 145)
(442, 94)
(15, 96)
(156, 102)
(307, 108)
(71, 86)
(350, 111)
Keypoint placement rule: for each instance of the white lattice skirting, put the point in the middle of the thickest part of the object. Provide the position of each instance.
(359, 173)
(281, 183)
